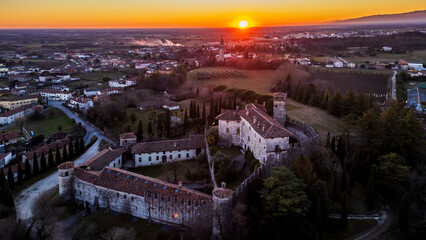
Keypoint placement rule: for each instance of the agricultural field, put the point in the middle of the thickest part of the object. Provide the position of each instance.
(415, 56)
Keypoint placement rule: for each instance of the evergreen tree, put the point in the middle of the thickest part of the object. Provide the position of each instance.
(167, 122)
(185, 120)
(327, 140)
(6, 197)
(371, 194)
(50, 159)
(297, 92)
(229, 103)
(65, 154)
(404, 214)
(198, 111)
(344, 214)
(203, 117)
(190, 109)
(324, 103)
(150, 129)
(333, 145)
(128, 128)
(335, 194)
(20, 172)
(71, 150)
(10, 178)
(35, 165)
(159, 128)
(344, 184)
(43, 162)
(81, 145)
(27, 170)
(139, 133)
(58, 159)
(219, 109)
(212, 112)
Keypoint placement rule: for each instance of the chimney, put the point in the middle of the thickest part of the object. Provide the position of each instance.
(254, 119)
(180, 184)
(264, 103)
(174, 144)
(263, 127)
(247, 112)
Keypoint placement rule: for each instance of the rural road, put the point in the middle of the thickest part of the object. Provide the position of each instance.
(91, 131)
(26, 200)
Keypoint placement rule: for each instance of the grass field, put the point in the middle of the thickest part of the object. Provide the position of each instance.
(415, 56)
(48, 125)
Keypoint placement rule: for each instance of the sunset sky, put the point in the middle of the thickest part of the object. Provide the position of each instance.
(189, 13)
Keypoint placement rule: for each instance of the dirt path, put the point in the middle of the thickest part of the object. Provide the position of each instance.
(378, 231)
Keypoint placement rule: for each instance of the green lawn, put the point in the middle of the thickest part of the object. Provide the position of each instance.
(415, 56)
(161, 172)
(107, 219)
(54, 117)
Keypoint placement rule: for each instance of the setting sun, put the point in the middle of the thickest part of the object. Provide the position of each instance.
(243, 24)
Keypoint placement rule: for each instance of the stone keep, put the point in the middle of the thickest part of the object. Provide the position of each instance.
(280, 112)
(222, 208)
(66, 172)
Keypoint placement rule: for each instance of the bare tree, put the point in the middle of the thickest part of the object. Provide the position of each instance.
(19, 122)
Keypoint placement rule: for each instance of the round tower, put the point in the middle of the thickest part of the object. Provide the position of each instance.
(280, 112)
(65, 172)
(222, 207)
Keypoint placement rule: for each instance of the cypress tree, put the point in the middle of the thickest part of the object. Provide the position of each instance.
(344, 214)
(128, 128)
(65, 154)
(203, 117)
(43, 161)
(6, 195)
(10, 178)
(82, 145)
(159, 128)
(327, 140)
(219, 109)
(2, 180)
(58, 159)
(185, 120)
(27, 170)
(20, 173)
(77, 148)
(139, 133)
(334, 186)
(229, 103)
(403, 214)
(371, 195)
(333, 145)
(167, 123)
(35, 162)
(71, 150)
(198, 111)
(149, 128)
(344, 180)
(50, 159)
(211, 115)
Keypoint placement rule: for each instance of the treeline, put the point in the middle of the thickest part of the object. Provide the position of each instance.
(401, 79)
(338, 103)
(21, 172)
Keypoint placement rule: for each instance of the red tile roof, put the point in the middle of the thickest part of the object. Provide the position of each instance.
(129, 135)
(132, 183)
(8, 136)
(45, 148)
(193, 142)
(102, 159)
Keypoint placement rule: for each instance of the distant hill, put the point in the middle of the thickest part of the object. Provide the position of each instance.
(417, 17)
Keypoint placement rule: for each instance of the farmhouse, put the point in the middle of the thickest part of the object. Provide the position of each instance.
(83, 104)
(122, 83)
(160, 152)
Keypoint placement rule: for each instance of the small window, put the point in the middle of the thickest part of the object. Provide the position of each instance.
(260, 140)
(178, 155)
(118, 194)
(248, 138)
(157, 158)
(238, 130)
(187, 155)
(171, 157)
(227, 130)
(149, 158)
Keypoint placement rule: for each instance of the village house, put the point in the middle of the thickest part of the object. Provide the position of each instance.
(160, 152)
(122, 83)
(8, 138)
(105, 158)
(158, 103)
(55, 95)
(127, 139)
(5, 159)
(80, 103)
(24, 111)
(16, 102)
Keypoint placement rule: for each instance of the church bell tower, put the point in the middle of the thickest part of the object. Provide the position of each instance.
(221, 50)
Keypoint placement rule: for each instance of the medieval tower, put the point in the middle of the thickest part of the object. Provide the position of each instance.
(280, 112)
(222, 207)
(221, 50)
(65, 172)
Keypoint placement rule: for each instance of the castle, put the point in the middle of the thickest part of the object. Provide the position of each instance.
(100, 183)
(265, 136)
